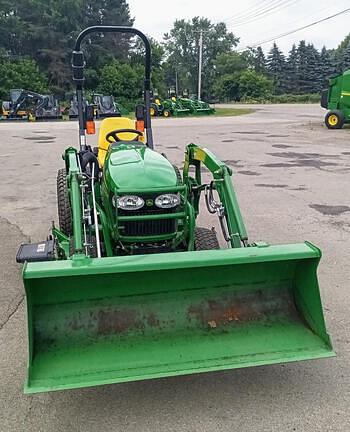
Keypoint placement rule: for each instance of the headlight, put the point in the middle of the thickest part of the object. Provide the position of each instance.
(129, 202)
(167, 201)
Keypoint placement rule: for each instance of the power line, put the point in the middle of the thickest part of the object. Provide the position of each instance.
(313, 16)
(296, 30)
(270, 9)
(251, 11)
(267, 12)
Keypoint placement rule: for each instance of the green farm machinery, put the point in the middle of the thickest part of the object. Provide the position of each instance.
(200, 107)
(336, 99)
(129, 287)
(178, 106)
(169, 107)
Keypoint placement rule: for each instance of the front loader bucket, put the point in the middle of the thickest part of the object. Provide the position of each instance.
(110, 320)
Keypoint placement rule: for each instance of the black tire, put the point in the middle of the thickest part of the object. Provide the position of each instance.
(166, 113)
(63, 204)
(154, 110)
(178, 175)
(205, 239)
(335, 119)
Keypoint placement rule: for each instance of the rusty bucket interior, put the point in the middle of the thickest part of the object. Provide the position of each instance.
(112, 320)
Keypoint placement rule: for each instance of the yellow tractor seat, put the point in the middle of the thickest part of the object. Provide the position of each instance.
(109, 124)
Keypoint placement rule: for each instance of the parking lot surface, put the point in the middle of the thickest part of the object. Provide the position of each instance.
(292, 179)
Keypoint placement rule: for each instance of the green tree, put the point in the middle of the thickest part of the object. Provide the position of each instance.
(182, 51)
(228, 67)
(253, 85)
(276, 66)
(158, 58)
(122, 80)
(227, 63)
(327, 67)
(314, 67)
(291, 71)
(256, 59)
(345, 58)
(21, 74)
(45, 30)
(307, 68)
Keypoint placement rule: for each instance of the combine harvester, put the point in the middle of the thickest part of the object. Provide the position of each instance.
(130, 288)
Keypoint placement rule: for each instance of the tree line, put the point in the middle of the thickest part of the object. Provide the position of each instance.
(37, 37)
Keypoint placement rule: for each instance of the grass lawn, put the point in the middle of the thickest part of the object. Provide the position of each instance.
(219, 112)
(231, 112)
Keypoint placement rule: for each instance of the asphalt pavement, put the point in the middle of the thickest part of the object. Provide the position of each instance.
(292, 179)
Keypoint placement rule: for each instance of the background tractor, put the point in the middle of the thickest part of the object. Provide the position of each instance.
(129, 287)
(336, 99)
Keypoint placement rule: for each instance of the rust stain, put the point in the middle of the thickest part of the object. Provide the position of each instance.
(117, 321)
(214, 313)
(152, 320)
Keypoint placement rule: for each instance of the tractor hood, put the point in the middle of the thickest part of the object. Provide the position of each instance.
(136, 167)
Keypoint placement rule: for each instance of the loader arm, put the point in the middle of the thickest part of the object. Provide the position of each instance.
(222, 183)
(75, 198)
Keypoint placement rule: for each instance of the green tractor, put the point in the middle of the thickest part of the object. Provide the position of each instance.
(128, 287)
(158, 107)
(336, 99)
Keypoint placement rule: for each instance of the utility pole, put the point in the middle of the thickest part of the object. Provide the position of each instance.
(176, 83)
(200, 64)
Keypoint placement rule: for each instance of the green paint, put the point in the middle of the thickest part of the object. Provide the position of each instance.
(338, 95)
(121, 319)
(135, 167)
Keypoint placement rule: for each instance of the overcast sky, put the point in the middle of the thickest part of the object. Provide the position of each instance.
(251, 20)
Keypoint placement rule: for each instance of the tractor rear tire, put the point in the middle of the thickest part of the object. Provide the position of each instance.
(63, 204)
(205, 239)
(154, 111)
(335, 119)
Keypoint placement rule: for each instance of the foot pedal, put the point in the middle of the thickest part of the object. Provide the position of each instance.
(34, 252)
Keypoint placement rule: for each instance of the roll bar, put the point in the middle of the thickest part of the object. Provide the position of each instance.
(78, 65)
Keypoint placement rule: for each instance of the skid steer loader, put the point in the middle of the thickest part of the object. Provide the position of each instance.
(26, 104)
(128, 287)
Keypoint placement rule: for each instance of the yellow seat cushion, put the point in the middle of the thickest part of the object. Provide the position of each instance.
(107, 125)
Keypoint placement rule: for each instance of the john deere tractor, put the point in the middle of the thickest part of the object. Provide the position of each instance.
(128, 286)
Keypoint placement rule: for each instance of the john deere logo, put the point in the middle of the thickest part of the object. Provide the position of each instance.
(149, 203)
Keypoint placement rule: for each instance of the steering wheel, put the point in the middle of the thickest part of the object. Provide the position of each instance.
(112, 136)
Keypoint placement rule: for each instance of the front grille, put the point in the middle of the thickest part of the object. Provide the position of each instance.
(151, 227)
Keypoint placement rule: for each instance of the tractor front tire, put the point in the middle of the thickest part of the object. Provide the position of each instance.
(63, 204)
(178, 175)
(166, 113)
(205, 239)
(335, 119)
